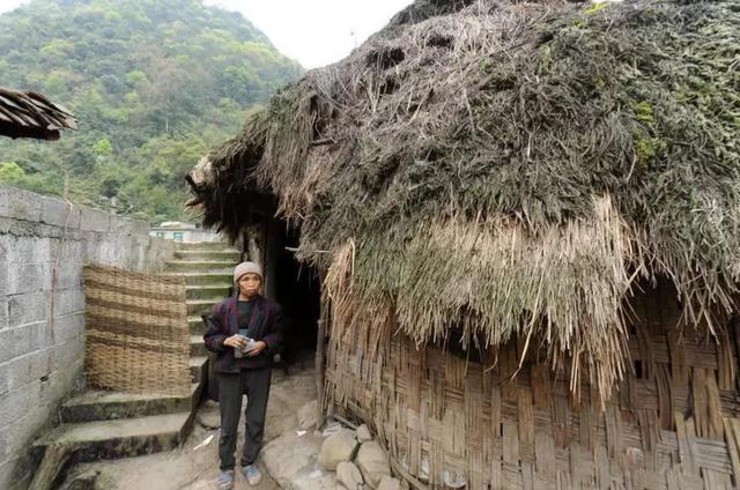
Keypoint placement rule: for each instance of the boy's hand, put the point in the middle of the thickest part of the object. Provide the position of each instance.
(236, 341)
(258, 347)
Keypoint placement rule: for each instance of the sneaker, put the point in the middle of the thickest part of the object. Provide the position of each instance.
(226, 480)
(253, 474)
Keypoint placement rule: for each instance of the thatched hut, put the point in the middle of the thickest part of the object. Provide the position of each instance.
(32, 115)
(525, 219)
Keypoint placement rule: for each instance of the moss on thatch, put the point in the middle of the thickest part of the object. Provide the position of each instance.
(511, 168)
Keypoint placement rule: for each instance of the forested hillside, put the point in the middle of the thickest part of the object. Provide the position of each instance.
(154, 83)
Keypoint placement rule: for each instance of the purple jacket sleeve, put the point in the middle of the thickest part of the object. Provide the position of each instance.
(274, 339)
(214, 336)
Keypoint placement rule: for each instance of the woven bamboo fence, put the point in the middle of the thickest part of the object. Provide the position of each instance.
(672, 424)
(137, 332)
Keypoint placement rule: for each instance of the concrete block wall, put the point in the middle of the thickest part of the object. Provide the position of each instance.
(44, 243)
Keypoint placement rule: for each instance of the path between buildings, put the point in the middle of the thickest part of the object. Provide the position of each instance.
(196, 468)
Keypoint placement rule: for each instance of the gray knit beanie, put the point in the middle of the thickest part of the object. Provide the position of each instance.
(247, 268)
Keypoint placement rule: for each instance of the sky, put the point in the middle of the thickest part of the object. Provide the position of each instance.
(313, 32)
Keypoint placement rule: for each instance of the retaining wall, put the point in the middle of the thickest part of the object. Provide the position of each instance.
(44, 243)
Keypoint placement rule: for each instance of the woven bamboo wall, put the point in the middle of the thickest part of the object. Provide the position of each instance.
(673, 424)
(137, 332)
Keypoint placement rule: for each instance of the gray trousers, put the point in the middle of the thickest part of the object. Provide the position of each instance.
(255, 383)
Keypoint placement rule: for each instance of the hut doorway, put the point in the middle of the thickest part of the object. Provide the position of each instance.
(297, 289)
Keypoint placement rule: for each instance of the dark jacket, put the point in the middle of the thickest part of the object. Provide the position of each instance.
(223, 322)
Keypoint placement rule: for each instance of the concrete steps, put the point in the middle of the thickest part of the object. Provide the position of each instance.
(198, 369)
(204, 278)
(97, 405)
(198, 306)
(108, 425)
(204, 247)
(197, 346)
(196, 325)
(218, 255)
(215, 292)
(223, 266)
(111, 439)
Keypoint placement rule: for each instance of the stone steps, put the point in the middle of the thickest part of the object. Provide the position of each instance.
(204, 278)
(222, 255)
(198, 369)
(97, 405)
(108, 425)
(111, 439)
(197, 346)
(196, 325)
(197, 306)
(223, 266)
(205, 246)
(214, 293)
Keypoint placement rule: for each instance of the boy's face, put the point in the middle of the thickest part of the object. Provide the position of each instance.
(249, 285)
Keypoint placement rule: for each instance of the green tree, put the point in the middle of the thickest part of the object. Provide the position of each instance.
(154, 84)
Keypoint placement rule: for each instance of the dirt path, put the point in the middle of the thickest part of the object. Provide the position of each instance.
(197, 469)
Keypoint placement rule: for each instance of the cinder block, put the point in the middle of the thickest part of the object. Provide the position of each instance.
(23, 430)
(3, 446)
(23, 340)
(70, 327)
(8, 468)
(68, 301)
(28, 308)
(16, 404)
(68, 274)
(94, 220)
(67, 252)
(60, 213)
(13, 343)
(27, 249)
(20, 205)
(25, 277)
(4, 315)
(25, 369)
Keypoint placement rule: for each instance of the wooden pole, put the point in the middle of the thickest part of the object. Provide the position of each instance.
(320, 367)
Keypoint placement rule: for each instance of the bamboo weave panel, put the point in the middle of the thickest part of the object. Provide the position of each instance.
(137, 332)
(672, 424)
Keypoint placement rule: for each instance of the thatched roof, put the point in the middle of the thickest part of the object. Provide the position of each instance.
(31, 115)
(510, 169)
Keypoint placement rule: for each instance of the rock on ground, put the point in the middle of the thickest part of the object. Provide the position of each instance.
(336, 448)
(292, 461)
(373, 463)
(363, 434)
(308, 415)
(209, 415)
(388, 483)
(349, 475)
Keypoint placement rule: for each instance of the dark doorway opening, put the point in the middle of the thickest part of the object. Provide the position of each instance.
(298, 290)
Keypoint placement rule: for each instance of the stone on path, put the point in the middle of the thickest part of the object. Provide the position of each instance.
(308, 415)
(363, 434)
(291, 461)
(336, 448)
(349, 475)
(389, 483)
(373, 463)
(209, 416)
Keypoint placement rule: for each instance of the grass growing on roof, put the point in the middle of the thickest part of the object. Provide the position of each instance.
(502, 167)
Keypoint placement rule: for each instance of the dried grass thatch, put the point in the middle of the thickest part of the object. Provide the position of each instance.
(510, 168)
(31, 115)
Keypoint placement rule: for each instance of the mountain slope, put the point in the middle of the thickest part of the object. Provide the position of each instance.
(154, 83)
